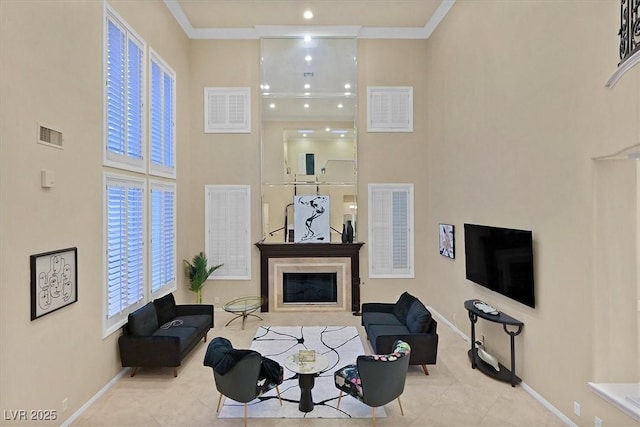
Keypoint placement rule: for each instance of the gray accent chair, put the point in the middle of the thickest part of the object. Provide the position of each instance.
(246, 377)
(375, 380)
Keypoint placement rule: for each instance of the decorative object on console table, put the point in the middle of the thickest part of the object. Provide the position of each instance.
(344, 233)
(502, 373)
(54, 281)
(349, 232)
(446, 240)
(198, 272)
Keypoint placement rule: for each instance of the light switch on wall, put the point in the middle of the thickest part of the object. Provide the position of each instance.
(47, 178)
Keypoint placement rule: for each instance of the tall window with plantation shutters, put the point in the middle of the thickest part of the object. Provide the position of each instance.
(124, 95)
(161, 117)
(162, 250)
(391, 231)
(140, 261)
(125, 243)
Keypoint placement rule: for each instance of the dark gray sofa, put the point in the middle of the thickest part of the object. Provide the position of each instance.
(162, 333)
(407, 320)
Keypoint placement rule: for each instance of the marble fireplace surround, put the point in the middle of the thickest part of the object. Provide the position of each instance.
(339, 265)
(340, 258)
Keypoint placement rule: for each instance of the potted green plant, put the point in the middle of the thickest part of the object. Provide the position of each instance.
(198, 272)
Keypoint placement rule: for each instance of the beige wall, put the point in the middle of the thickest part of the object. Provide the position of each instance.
(517, 109)
(51, 74)
(509, 110)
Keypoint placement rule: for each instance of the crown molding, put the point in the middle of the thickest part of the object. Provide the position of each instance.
(314, 31)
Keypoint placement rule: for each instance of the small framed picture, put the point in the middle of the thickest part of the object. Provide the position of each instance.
(447, 241)
(54, 281)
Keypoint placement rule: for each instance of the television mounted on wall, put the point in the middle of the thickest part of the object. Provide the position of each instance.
(501, 259)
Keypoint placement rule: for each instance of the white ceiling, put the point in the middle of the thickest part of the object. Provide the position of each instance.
(251, 19)
(329, 71)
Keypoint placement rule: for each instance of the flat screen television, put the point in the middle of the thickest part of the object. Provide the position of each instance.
(501, 259)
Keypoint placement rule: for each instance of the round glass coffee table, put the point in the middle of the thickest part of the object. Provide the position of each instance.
(307, 373)
(243, 307)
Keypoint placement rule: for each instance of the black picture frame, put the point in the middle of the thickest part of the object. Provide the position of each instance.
(446, 238)
(54, 281)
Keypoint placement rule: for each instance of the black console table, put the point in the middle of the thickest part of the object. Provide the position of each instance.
(503, 374)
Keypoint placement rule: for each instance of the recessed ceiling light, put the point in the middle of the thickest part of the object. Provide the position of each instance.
(306, 105)
(304, 135)
(307, 85)
(339, 105)
(272, 105)
(266, 87)
(347, 86)
(327, 129)
(307, 93)
(307, 14)
(347, 93)
(308, 58)
(307, 38)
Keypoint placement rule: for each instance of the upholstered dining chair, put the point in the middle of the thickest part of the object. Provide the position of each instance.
(375, 380)
(242, 375)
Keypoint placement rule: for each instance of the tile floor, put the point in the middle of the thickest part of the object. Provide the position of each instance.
(453, 395)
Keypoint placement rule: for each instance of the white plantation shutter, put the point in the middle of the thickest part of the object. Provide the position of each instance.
(124, 218)
(390, 109)
(124, 95)
(161, 118)
(228, 231)
(162, 251)
(391, 230)
(227, 110)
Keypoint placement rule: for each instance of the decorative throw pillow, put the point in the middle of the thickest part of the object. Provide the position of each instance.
(418, 318)
(165, 308)
(400, 349)
(143, 322)
(402, 306)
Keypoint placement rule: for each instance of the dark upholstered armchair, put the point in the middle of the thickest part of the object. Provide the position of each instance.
(375, 380)
(242, 375)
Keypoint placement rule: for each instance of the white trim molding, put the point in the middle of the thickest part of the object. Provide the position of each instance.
(318, 31)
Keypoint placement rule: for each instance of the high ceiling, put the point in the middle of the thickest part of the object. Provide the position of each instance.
(294, 89)
(355, 18)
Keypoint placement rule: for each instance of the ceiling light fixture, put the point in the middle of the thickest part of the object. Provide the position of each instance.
(347, 86)
(306, 105)
(307, 85)
(307, 14)
(339, 105)
(307, 38)
(272, 105)
(308, 58)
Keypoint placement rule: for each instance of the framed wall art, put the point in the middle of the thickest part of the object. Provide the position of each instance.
(54, 281)
(447, 240)
(311, 219)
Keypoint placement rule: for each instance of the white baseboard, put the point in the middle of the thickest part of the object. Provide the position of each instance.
(95, 397)
(524, 385)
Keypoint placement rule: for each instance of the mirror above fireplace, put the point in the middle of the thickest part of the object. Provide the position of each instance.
(308, 130)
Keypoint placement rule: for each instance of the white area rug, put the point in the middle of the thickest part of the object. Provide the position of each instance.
(340, 344)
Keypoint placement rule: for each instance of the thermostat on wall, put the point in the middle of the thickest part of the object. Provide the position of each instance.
(47, 178)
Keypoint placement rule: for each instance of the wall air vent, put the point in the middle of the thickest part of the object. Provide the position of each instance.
(49, 137)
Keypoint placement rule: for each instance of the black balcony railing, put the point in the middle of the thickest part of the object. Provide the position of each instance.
(629, 29)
